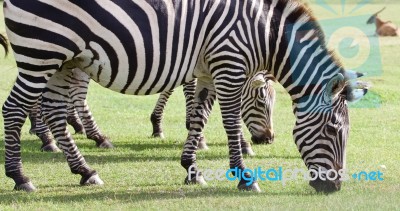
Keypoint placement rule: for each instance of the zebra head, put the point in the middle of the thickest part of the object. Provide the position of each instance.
(258, 100)
(321, 134)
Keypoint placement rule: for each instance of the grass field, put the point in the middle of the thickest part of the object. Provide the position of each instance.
(145, 173)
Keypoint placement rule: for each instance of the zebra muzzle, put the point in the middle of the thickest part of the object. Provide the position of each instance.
(265, 138)
(325, 186)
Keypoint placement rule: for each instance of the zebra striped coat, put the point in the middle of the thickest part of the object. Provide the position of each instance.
(252, 112)
(257, 105)
(145, 47)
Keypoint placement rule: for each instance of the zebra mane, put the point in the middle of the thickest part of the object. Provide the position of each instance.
(303, 9)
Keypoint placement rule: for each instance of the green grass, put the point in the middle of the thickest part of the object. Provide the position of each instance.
(145, 173)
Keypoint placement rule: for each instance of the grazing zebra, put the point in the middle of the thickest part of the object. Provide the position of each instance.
(257, 104)
(79, 115)
(156, 116)
(145, 47)
(256, 115)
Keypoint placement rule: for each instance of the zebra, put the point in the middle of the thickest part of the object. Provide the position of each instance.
(156, 116)
(256, 114)
(145, 47)
(79, 116)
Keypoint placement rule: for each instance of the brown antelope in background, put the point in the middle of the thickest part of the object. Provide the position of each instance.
(384, 28)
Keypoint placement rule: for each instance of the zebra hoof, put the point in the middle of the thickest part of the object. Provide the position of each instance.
(252, 187)
(93, 180)
(102, 141)
(27, 187)
(248, 151)
(196, 180)
(106, 144)
(158, 135)
(51, 147)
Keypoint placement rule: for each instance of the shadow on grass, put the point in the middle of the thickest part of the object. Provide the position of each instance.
(31, 153)
(137, 195)
(124, 152)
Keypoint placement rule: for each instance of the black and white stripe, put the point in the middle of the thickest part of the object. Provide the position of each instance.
(145, 47)
(79, 115)
(257, 106)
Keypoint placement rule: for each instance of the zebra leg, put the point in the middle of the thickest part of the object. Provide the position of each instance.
(79, 84)
(157, 114)
(41, 130)
(54, 112)
(92, 129)
(189, 90)
(204, 98)
(230, 103)
(33, 119)
(203, 101)
(19, 103)
(73, 119)
(202, 142)
(230, 108)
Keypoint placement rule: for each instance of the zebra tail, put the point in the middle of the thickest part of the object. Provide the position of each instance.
(3, 42)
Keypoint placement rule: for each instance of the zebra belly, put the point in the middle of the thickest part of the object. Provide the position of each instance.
(96, 63)
(134, 47)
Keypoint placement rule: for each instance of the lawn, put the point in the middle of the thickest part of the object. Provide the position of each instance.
(145, 173)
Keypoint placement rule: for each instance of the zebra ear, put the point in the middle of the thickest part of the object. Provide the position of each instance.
(334, 87)
(258, 81)
(351, 74)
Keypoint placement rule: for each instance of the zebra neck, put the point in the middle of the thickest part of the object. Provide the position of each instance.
(298, 56)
